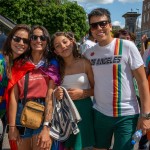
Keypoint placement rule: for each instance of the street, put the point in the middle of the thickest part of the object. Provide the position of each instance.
(6, 144)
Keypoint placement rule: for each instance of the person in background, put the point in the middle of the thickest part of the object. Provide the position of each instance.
(43, 77)
(14, 47)
(145, 50)
(115, 62)
(144, 44)
(122, 34)
(2, 39)
(77, 78)
(89, 42)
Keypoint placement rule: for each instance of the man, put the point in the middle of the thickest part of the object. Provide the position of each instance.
(89, 42)
(114, 64)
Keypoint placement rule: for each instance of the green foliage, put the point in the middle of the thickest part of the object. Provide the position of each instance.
(53, 15)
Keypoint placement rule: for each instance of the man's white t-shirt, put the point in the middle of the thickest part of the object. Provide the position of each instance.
(86, 45)
(114, 90)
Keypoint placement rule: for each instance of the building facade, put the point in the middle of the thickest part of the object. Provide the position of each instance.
(130, 21)
(145, 26)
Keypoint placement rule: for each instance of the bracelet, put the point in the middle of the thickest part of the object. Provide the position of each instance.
(11, 126)
(85, 93)
(46, 123)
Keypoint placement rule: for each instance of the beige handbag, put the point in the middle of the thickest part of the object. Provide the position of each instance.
(33, 112)
(32, 115)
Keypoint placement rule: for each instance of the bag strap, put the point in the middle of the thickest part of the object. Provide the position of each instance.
(25, 88)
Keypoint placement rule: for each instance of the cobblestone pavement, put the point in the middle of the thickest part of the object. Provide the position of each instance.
(6, 144)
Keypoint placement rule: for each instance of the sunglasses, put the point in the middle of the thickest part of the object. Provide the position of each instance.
(102, 24)
(18, 39)
(123, 32)
(42, 37)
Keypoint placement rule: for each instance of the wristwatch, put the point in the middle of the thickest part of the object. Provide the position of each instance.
(145, 115)
(48, 124)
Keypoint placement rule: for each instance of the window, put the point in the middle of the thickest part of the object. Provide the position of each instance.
(147, 17)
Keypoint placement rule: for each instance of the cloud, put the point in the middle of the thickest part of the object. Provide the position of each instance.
(95, 1)
(139, 22)
(117, 23)
(129, 1)
(106, 1)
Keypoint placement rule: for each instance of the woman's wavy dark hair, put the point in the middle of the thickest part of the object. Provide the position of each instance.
(47, 55)
(76, 53)
(7, 50)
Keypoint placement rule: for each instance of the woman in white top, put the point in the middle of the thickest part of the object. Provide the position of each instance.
(77, 78)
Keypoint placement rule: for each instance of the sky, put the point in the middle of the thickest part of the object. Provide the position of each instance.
(116, 7)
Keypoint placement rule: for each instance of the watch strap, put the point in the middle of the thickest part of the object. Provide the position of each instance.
(145, 115)
(46, 123)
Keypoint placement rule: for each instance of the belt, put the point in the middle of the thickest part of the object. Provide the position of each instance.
(39, 100)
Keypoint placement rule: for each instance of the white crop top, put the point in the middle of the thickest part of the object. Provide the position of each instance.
(79, 81)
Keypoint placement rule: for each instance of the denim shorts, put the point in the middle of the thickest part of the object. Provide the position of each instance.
(28, 132)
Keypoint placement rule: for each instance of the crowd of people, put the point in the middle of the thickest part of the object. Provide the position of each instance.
(106, 81)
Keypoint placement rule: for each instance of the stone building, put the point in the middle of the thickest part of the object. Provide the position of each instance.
(145, 26)
(130, 21)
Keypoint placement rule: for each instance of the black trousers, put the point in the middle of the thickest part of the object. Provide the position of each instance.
(143, 142)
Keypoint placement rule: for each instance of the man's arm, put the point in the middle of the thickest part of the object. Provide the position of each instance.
(144, 94)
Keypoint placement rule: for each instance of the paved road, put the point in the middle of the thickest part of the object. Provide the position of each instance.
(6, 144)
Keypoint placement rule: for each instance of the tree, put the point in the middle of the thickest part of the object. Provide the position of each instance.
(68, 16)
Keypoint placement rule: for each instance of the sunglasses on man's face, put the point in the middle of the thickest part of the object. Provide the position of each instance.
(18, 39)
(102, 24)
(42, 37)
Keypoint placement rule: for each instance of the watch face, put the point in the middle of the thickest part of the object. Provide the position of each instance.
(148, 116)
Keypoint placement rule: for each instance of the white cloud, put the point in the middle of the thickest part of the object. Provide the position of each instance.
(106, 1)
(129, 1)
(139, 21)
(95, 1)
(117, 23)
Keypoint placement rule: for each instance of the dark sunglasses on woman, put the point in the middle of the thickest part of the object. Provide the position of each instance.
(42, 37)
(102, 24)
(18, 39)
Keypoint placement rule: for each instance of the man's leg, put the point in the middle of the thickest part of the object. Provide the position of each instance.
(103, 130)
(124, 129)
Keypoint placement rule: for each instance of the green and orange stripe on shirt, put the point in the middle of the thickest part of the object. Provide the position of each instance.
(117, 89)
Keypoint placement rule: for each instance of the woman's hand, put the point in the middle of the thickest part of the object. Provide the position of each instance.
(13, 134)
(44, 139)
(75, 93)
(59, 93)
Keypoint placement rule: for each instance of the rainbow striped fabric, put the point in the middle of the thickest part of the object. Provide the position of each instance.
(117, 81)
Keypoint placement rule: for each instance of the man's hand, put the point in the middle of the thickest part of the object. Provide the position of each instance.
(143, 124)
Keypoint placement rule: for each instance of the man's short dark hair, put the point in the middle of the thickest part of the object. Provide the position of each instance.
(99, 12)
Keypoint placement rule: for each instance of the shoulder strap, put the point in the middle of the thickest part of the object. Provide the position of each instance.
(25, 87)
